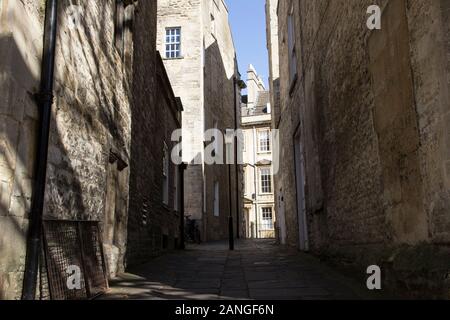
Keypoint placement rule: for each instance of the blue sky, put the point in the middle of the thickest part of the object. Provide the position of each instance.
(248, 22)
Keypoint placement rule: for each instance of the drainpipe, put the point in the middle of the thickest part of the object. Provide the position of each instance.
(256, 182)
(45, 101)
(238, 227)
(181, 169)
(230, 217)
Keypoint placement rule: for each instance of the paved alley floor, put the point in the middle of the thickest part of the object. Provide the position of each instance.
(257, 269)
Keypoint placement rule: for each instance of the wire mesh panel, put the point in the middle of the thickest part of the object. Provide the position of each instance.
(94, 264)
(62, 250)
(74, 243)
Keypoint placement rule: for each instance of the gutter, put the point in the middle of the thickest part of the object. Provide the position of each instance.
(45, 101)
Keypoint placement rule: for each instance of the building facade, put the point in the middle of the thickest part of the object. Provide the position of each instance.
(102, 116)
(197, 47)
(274, 84)
(364, 136)
(155, 210)
(259, 209)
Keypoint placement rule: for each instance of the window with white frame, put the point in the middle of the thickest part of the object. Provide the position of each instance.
(292, 46)
(173, 43)
(267, 218)
(216, 199)
(264, 140)
(265, 176)
(166, 166)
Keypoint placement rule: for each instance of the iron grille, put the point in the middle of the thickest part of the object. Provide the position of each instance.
(74, 243)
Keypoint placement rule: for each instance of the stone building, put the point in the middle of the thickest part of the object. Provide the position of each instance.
(274, 84)
(155, 209)
(259, 210)
(272, 48)
(197, 47)
(102, 116)
(364, 136)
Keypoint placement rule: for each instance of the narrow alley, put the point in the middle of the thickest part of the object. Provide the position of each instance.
(258, 269)
(224, 149)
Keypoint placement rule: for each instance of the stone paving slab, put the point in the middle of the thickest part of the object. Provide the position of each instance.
(257, 269)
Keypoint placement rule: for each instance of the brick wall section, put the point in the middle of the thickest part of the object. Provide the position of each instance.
(376, 179)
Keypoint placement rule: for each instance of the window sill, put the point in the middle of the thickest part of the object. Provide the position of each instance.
(179, 58)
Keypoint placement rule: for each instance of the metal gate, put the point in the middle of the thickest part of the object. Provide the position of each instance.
(74, 243)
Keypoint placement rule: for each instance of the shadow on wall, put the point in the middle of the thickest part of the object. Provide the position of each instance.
(18, 123)
(87, 120)
(219, 104)
(142, 177)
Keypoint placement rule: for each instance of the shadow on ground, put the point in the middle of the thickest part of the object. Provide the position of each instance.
(258, 269)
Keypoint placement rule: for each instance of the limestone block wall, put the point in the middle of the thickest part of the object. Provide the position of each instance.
(373, 108)
(90, 117)
(20, 50)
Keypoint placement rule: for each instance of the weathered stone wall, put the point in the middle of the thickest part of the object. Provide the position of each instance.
(373, 108)
(153, 225)
(90, 118)
(20, 50)
(106, 134)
